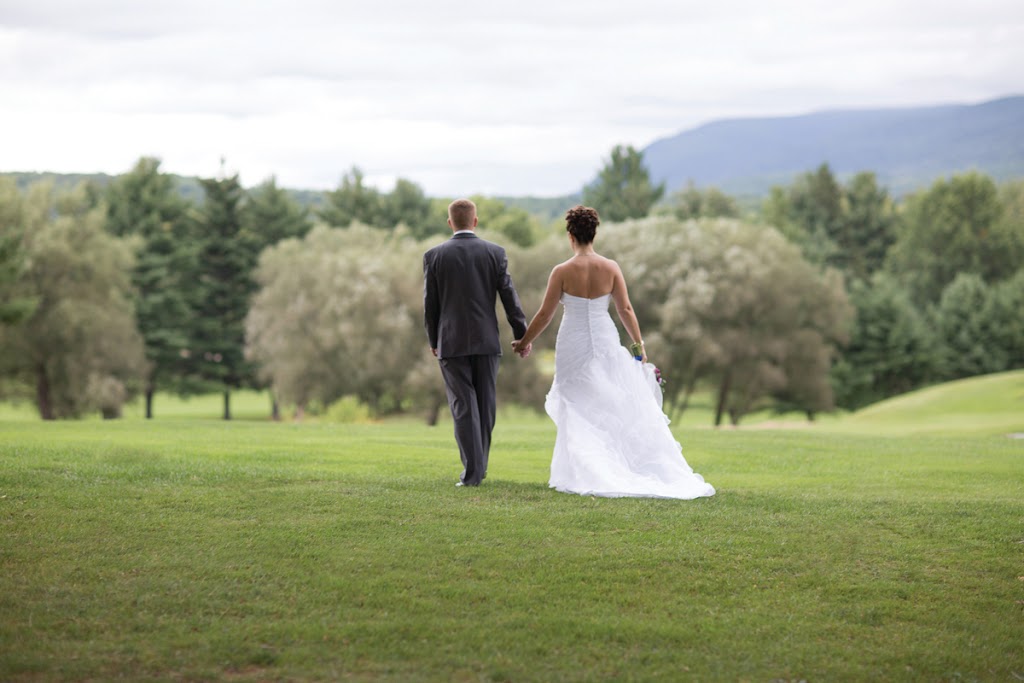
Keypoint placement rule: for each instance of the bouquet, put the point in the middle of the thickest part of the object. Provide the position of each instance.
(659, 378)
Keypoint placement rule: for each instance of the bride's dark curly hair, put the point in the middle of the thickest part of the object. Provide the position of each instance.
(581, 222)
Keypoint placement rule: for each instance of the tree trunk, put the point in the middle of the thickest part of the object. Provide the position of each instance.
(723, 395)
(43, 399)
(111, 412)
(687, 393)
(434, 413)
(744, 406)
(150, 390)
(227, 404)
(675, 406)
(275, 408)
(810, 416)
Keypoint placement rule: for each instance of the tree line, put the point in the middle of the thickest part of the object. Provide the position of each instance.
(109, 291)
(830, 293)
(935, 280)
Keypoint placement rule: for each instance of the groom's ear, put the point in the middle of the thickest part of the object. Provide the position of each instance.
(475, 220)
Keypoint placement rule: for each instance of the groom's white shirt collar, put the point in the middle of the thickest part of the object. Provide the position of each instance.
(463, 232)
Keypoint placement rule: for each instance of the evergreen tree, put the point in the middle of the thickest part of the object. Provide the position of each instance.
(14, 306)
(848, 227)
(408, 206)
(892, 348)
(623, 188)
(954, 228)
(352, 201)
(867, 227)
(271, 215)
(144, 203)
(226, 256)
(962, 321)
(1005, 245)
(816, 202)
(1005, 322)
(809, 214)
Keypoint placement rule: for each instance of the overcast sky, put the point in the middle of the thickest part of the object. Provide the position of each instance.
(523, 97)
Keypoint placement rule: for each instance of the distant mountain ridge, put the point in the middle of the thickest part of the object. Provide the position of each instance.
(907, 148)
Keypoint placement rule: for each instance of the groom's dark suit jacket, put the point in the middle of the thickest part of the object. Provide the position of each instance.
(460, 280)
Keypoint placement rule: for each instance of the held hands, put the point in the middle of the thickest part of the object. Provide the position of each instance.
(522, 350)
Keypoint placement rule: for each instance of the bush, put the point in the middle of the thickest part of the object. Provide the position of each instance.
(349, 410)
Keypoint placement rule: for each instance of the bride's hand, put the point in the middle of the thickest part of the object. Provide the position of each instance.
(521, 350)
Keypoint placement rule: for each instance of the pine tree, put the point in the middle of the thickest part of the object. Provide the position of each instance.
(867, 228)
(352, 201)
(226, 256)
(623, 188)
(271, 215)
(146, 204)
(952, 228)
(14, 307)
(965, 329)
(892, 347)
(407, 205)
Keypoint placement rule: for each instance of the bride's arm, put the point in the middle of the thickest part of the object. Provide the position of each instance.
(546, 312)
(625, 309)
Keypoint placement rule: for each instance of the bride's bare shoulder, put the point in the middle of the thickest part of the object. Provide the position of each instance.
(562, 267)
(560, 272)
(610, 263)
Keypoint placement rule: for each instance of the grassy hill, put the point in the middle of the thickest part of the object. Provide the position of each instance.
(986, 404)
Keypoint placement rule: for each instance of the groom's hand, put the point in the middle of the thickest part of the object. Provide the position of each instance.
(521, 351)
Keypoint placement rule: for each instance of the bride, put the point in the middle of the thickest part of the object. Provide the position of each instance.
(613, 438)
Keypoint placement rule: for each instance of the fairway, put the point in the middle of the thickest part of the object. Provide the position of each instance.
(193, 549)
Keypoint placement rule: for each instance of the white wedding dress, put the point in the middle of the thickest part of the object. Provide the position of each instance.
(613, 437)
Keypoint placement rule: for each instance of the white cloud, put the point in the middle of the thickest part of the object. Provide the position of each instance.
(458, 96)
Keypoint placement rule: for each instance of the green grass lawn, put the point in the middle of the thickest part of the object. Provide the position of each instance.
(193, 549)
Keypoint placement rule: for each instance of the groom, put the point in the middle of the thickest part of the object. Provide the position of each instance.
(461, 279)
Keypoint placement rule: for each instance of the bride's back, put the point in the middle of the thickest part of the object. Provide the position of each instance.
(588, 276)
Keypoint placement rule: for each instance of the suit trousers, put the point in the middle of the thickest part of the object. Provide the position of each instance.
(471, 383)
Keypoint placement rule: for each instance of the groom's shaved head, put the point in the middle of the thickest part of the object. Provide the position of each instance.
(461, 213)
